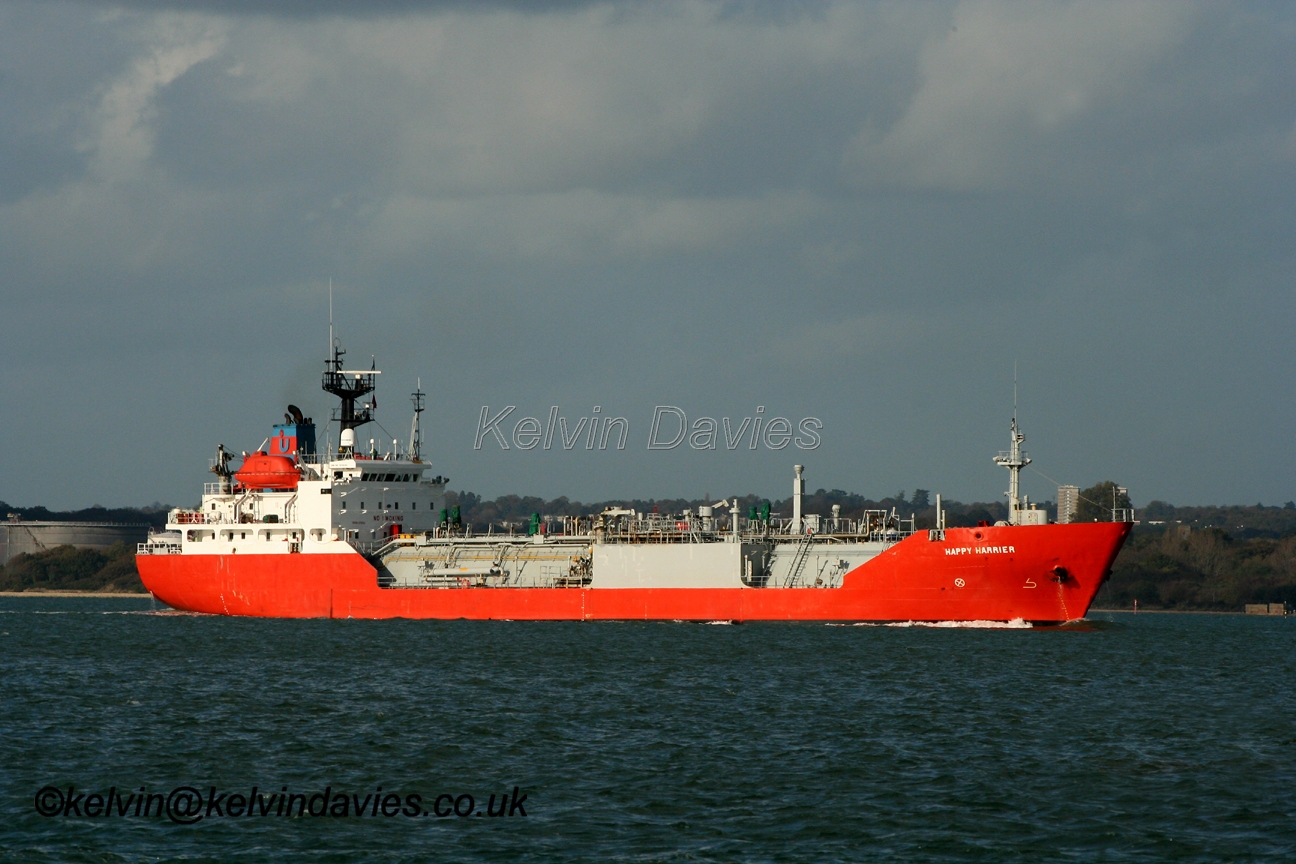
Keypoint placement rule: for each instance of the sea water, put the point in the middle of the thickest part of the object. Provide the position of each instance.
(1128, 738)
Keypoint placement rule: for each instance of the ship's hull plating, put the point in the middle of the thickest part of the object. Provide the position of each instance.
(1047, 573)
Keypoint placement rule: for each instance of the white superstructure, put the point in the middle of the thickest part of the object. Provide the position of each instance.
(286, 498)
(357, 500)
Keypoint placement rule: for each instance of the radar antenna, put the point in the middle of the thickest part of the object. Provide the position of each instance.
(350, 385)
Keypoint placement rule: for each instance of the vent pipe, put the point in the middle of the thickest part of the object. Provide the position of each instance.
(798, 489)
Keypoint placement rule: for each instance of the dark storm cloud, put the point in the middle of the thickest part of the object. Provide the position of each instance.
(865, 212)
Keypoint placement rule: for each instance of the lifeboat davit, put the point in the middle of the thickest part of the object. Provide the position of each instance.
(263, 471)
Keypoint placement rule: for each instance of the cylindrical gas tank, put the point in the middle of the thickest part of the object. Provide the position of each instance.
(263, 471)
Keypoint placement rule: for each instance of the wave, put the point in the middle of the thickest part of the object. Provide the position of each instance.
(1015, 624)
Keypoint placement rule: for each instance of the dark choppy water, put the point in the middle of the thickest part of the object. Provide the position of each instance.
(1161, 737)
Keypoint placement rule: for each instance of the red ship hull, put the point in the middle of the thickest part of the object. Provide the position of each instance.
(1044, 573)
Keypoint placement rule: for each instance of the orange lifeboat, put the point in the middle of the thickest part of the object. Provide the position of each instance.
(263, 471)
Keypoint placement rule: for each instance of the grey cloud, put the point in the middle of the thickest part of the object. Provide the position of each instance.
(776, 11)
(369, 9)
(862, 212)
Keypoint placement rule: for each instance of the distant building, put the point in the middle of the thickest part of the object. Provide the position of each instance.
(17, 537)
(1067, 501)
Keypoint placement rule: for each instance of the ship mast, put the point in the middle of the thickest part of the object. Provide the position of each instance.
(350, 385)
(1014, 460)
(416, 430)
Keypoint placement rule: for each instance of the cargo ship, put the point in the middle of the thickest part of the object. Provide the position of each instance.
(355, 531)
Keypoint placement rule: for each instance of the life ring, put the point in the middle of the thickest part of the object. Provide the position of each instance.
(465, 582)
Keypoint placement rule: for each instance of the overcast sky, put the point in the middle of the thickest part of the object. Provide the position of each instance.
(861, 213)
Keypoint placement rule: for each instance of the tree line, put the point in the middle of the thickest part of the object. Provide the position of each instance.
(66, 568)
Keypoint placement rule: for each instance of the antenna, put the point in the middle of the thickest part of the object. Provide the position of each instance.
(1014, 390)
(330, 351)
(416, 432)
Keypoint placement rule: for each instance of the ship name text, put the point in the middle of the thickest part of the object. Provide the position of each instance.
(980, 550)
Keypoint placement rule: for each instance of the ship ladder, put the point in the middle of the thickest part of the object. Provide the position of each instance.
(799, 561)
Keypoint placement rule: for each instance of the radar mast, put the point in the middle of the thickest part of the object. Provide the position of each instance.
(1014, 460)
(349, 385)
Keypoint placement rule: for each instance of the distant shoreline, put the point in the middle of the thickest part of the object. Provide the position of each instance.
(75, 594)
(1174, 611)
